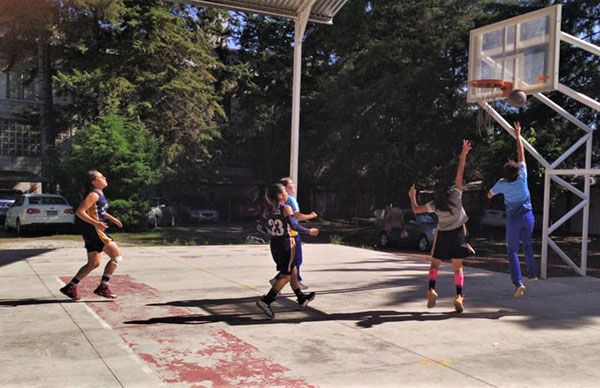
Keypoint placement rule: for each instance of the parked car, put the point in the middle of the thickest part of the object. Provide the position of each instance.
(400, 227)
(161, 213)
(39, 211)
(196, 209)
(203, 214)
(7, 198)
(493, 217)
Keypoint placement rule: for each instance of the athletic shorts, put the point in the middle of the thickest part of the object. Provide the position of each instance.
(283, 251)
(94, 239)
(298, 250)
(451, 244)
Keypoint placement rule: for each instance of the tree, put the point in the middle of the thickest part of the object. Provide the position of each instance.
(154, 60)
(124, 151)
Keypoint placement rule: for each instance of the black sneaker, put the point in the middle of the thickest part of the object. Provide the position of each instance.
(265, 308)
(305, 298)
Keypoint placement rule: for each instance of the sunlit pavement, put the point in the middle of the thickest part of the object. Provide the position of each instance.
(186, 316)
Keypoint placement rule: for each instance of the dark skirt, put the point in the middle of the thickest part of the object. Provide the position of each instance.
(452, 244)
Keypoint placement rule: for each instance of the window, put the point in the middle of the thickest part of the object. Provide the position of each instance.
(47, 201)
(17, 86)
(20, 201)
(19, 139)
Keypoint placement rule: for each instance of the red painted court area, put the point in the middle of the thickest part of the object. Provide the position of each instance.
(195, 354)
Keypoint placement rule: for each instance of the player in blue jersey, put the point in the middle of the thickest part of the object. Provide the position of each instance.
(91, 220)
(279, 223)
(519, 215)
(290, 187)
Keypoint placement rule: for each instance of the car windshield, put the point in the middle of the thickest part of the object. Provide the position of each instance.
(47, 201)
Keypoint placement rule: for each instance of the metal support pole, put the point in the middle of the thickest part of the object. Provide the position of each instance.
(586, 210)
(561, 111)
(504, 124)
(300, 27)
(545, 225)
(582, 98)
(582, 44)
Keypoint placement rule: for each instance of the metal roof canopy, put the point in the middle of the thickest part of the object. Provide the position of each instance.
(322, 11)
(301, 11)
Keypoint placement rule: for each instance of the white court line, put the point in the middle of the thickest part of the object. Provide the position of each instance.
(105, 325)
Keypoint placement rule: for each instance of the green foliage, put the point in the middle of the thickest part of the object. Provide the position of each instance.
(155, 60)
(123, 150)
(384, 96)
(131, 212)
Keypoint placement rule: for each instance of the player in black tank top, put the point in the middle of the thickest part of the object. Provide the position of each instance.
(91, 220)
(278, 221)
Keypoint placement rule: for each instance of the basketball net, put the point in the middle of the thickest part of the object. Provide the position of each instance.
(485, 122)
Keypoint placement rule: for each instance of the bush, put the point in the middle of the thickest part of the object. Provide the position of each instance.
(124, 151)
(132, 213)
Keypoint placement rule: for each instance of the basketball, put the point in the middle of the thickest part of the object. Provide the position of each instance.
(517, 98)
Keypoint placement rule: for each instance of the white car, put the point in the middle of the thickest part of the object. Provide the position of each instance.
(39, 211)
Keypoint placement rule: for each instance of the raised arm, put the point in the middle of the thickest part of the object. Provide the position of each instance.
(416, 208)
(296, 225)
(520, 150)
(460, 171)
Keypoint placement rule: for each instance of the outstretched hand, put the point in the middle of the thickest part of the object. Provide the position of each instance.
(412, 192)
(517, 128)
(466, 147)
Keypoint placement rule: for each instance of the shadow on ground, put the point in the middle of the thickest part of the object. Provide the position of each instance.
(10, 256)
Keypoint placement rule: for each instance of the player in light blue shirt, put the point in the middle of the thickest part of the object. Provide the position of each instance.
(519, 215)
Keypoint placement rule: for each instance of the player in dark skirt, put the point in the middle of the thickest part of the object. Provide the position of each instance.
(450, 242)
(278, 222)
(91, 221)
(290, 187)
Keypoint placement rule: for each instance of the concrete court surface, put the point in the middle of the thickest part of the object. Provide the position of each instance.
(186, 316)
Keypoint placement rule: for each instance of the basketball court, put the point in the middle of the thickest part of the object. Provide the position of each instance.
(186, 316)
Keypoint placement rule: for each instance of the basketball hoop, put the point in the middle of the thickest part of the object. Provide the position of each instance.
(485, 122)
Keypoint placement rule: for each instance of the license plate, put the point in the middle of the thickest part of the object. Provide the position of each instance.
(52, 213)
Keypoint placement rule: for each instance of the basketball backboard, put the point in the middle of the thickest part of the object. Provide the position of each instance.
(523, 50)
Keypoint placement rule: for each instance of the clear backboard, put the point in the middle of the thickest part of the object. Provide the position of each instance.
(523, 50)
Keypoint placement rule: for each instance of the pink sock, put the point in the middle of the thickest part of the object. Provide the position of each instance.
(433, 272)
(459, 280)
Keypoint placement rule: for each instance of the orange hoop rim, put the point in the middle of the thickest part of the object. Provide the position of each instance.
(505, 86)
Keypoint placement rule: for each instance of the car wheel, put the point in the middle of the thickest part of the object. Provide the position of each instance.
(384, 240)
(423, 243)
(172, 221)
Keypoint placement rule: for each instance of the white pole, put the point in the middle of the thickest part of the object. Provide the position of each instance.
(545, 224)
(586, 210)
(504, 124)
(300, 26)
(582, 98)
(582, 44)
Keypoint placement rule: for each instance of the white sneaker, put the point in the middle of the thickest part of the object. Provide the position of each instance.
(432, 298)
(265, 308)
(519, 291)
(303, 286)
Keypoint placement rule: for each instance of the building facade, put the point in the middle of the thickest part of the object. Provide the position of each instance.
(20, 134)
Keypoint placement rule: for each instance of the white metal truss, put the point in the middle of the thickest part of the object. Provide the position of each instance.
(554, 174)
